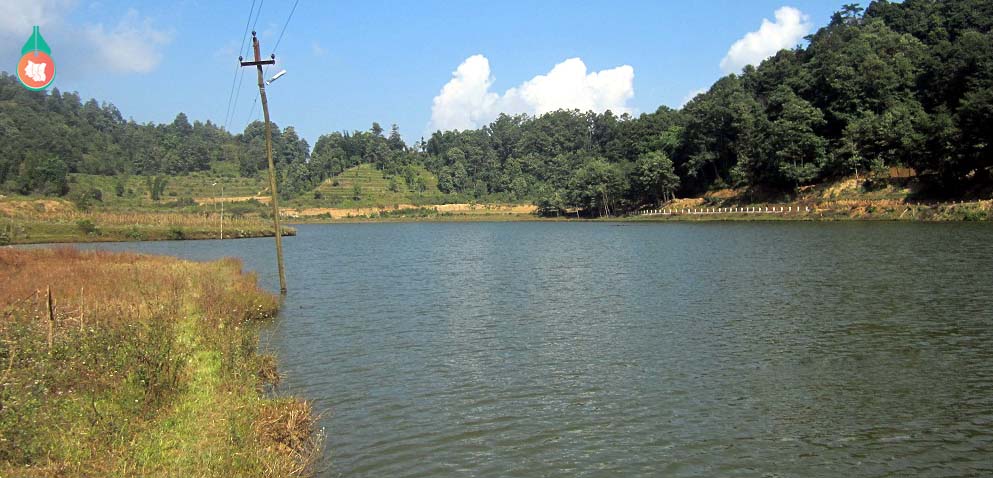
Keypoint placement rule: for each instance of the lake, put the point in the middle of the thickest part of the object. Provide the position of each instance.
(675, 349)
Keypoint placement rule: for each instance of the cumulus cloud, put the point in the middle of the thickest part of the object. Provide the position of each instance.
(790, 27)
(466, 101)
(130, 47)
(691, 95)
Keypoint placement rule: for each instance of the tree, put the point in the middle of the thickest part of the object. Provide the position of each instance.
(598, 186)
(850, 14)
(42, 173)
(156, 186)
(723, 126)
(395, 141)
(654, 177)
(793, 152)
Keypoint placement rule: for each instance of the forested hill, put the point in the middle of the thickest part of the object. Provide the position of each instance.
(894, 84)
(45, 136)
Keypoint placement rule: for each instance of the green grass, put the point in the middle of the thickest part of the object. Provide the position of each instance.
(32, 221)
(374, 190)
(194, 185)
(152, 370)
(39, 232)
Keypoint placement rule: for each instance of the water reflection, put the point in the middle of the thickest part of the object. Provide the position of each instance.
(641, 350)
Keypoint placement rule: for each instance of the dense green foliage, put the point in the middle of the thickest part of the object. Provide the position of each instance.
(895, 84)
(46, 136)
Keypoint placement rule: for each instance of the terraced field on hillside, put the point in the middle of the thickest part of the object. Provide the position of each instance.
(196, 185)
(373, 189)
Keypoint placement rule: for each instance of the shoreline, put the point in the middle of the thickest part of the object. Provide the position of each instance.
(148, 363)
(68, 226)
(979, 211)
(127, 236)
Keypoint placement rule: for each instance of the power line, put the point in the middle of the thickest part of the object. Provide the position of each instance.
(257, 15)
(285, 25)
(237, 95)
(258, 63)
(282, 31)
(251, 111)
(254, 24)
(244, 35)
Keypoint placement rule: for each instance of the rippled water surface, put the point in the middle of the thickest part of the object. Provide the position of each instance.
(558, 349)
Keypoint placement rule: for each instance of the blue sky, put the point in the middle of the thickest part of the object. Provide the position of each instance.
(352, 63)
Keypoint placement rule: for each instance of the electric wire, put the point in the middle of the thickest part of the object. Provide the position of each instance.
(231, 95)
(248, 53)
(265, 71)
(294, 9)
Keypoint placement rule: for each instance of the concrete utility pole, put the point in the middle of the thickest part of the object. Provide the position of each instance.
(268, 151)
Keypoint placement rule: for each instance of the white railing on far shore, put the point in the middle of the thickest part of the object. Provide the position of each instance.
(726, 210)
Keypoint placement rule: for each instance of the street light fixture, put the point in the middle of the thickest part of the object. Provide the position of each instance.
(275, 77)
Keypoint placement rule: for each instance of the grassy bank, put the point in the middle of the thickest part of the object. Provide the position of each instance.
(147, 367)
(33, 221)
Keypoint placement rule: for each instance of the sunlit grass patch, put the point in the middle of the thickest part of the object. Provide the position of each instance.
(152, 369)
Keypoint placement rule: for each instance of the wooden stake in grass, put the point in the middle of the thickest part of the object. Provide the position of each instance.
(82, 310)
(51, 321)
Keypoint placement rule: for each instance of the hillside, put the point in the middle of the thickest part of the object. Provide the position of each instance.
(200, 187)
(367, 186)
(894, 85)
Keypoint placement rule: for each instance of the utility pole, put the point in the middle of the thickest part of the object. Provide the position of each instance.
(268, 151)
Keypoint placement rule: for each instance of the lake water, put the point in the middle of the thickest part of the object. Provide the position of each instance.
(595, 349)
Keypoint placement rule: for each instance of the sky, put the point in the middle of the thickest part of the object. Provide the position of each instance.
(422, 65)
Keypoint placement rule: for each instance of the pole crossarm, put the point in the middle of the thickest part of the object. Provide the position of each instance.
(258, 63)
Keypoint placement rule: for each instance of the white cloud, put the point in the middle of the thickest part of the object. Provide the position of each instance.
(466, 101)
(790, 27)
(317, 49)
(133, 46)
(18, 16)
(691, 95)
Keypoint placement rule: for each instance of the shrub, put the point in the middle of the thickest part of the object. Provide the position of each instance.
(87, 227)
(175, 233)
(134, 234)
(83, 199)
(181, 202)
(974, 215)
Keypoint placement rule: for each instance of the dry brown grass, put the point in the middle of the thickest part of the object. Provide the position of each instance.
(289, 428)
(59, 211)
(153, 370)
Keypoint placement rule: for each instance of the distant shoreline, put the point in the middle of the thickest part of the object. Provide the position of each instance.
(981, 211)
(60, 223)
